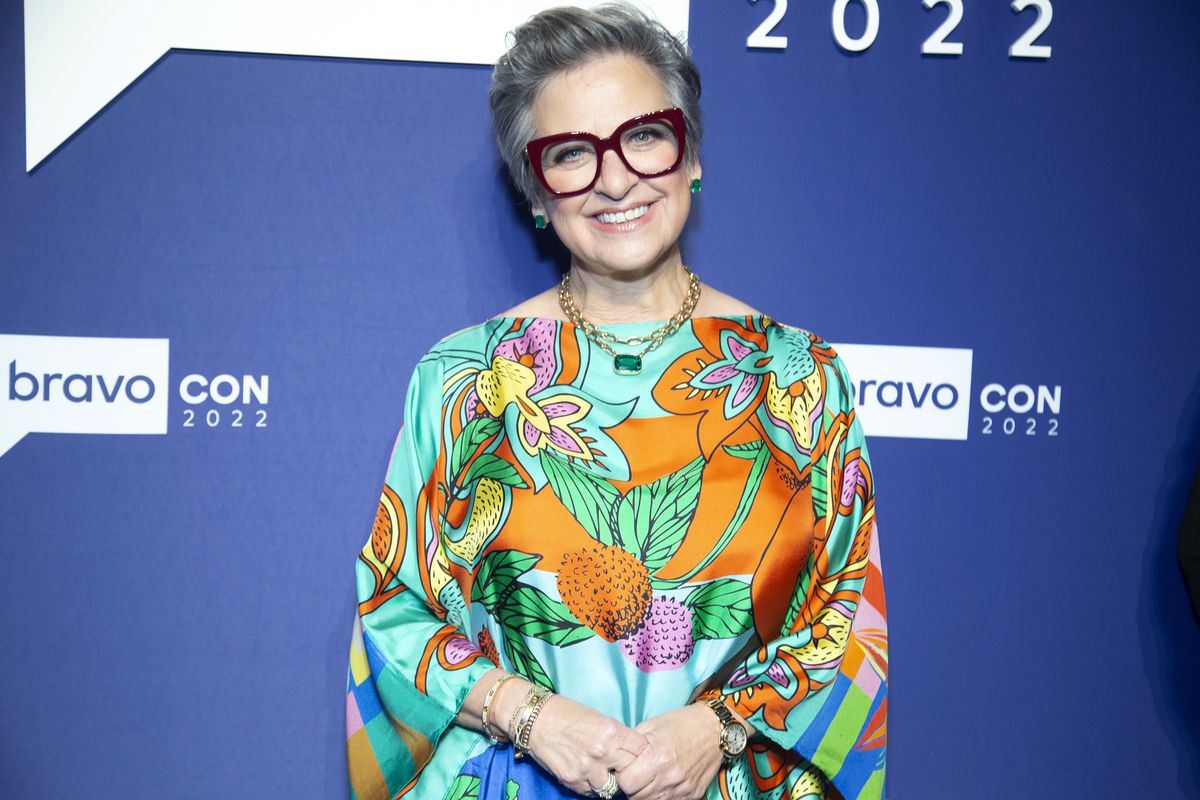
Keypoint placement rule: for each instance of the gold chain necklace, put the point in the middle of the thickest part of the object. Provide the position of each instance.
(628, 363)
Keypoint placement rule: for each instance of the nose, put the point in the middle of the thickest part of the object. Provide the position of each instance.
(615, 179)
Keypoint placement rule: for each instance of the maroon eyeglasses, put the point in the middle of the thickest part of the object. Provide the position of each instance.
(649, 145)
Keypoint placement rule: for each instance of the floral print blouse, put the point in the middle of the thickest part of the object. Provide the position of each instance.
(703, 527)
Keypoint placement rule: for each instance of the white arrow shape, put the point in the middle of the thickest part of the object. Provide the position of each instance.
(80, 54)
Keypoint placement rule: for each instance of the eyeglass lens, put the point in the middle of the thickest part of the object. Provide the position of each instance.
(650, 148)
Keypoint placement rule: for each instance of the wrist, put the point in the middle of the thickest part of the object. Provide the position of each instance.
(731, 736)
(509, 697)
(525, 716)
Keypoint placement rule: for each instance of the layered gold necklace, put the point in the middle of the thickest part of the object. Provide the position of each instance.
(628, 363)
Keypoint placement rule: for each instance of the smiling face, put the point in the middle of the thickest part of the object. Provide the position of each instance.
(624, 223)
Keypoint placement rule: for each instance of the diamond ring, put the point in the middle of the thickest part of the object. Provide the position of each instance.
(609, 790)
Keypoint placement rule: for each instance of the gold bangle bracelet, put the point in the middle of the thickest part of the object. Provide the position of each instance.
(487, 707)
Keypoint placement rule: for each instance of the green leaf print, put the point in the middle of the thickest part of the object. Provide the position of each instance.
(749, 491)
(497, 571)
(820, 488)
(493, 466)
(650, 521)
(534, 613)
(464, 787)
(589, 499)
(521, 657)
(720, 609)
(476, 432)
(510, 789)
(746, 450)
(801, 594)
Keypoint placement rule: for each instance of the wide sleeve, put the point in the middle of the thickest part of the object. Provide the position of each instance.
(411, 664)
(820, 688)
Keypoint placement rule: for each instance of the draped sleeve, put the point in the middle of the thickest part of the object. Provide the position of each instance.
(411, 664)
(819, 689)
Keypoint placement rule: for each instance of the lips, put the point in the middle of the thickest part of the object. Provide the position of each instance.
(624, 215)
(623, 220)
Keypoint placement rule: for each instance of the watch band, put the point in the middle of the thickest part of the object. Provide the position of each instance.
(732, 740)
(722, 711)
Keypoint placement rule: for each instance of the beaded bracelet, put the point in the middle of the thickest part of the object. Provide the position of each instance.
(516, 715)
(487, 707)
(521, 717)
(522, 745)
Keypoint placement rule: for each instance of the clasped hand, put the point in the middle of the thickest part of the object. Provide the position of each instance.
(673, 756)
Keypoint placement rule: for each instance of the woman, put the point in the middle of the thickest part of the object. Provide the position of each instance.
(610, 548)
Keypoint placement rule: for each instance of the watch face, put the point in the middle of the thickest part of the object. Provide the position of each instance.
(733, 739)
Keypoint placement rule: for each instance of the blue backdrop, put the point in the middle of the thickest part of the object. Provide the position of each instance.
(175, 610)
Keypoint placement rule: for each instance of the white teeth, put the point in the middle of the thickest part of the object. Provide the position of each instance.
(623, 216)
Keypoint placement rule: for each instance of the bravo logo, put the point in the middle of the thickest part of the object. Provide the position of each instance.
(910, 392)
(73, 384)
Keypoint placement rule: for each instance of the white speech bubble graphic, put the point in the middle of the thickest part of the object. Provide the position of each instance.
(910, 392)
(75, 384)
(80, 54)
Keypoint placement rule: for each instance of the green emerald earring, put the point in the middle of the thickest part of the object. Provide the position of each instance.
(540, 222)
(695, 186)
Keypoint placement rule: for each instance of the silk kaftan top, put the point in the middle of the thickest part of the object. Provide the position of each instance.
(625, 540)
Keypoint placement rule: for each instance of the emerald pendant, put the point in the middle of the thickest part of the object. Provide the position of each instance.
(627, 363)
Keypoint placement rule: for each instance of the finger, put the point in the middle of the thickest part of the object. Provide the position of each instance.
(650, 792)
(621, 759)
(604, 781)
(634, 741)
(627, 749)
(638, 775)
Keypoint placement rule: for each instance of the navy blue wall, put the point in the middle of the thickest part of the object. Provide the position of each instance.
(175, 609)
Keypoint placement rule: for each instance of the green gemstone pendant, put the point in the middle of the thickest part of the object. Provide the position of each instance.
(627, 364)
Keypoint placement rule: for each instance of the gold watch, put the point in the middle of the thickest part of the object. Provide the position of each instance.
(733, 733)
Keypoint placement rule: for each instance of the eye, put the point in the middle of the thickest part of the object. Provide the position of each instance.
(649, 135)
(565, 156)
(568, 155)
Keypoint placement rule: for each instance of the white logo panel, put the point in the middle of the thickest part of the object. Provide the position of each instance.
(74, 384)
(79, 56)
(910, 392)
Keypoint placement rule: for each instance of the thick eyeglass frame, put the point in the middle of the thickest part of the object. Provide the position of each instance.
(674, 116)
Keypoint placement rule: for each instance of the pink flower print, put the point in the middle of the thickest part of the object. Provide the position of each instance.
(535, 349)
(560, 412)
(851, 477)
(740, 678)
(740, 372)
(665, 639)
(546, 422)
(459, 649)
(775, 671)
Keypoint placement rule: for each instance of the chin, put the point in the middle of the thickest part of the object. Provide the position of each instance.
(629, 262)
(631, 254)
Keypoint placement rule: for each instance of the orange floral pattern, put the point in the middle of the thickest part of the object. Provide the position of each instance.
(618, 539)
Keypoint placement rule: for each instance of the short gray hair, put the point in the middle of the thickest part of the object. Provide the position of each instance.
(559, 39)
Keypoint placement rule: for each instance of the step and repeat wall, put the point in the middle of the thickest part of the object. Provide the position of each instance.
(229, 230)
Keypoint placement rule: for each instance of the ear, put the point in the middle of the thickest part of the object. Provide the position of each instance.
(694, 170)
